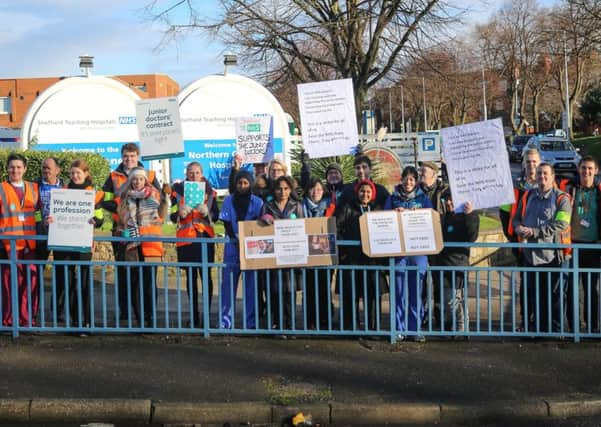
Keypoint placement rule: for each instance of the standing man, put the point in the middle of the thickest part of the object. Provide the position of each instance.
(543, 216)
(46, 183)
(19, 201)
(113, 186)
(527, 181)
(362, 167)
(586, 228)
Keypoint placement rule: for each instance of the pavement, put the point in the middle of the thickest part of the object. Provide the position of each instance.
(55, 379)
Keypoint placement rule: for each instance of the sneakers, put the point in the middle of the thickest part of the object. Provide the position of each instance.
(418, 338)
(414, 338)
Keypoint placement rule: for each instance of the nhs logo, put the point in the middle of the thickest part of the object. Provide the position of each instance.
(127, 120)
(429, 144)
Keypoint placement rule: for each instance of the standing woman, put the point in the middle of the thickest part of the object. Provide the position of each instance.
(283, 206)
(408, 195)
(242, 205)
(360, 282)
(141, 213)
(315, 205)
(195, 222)
(77, 276)
(19, 201)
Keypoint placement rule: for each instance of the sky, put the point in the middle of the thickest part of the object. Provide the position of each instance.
(44, 38)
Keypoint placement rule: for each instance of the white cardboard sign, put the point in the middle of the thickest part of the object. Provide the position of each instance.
(328, 117)
(160, 128)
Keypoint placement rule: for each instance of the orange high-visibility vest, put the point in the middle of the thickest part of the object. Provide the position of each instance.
(155, 248)
(18, 216)
(192, 224)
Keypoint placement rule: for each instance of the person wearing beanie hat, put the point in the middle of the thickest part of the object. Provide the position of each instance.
(241, 205)
(194, 220)
(356, 282)
(408, 196)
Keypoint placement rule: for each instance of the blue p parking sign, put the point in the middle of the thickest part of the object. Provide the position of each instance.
(428, 144)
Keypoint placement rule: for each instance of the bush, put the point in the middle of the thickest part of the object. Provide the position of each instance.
(99, 166)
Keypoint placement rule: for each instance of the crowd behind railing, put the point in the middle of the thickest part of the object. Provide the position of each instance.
(405, 297)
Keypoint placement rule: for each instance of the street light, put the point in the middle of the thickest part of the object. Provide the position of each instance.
(484, 94)
(565, 60)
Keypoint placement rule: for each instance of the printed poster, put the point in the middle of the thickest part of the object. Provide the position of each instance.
(71, 212)
(194, 193)
(159, 128)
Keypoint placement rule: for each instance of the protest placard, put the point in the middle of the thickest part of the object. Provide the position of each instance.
(159, 128)
(306, 242)
(194, 193)
(71, 212)
(392, 233)
(478, 164)
(254, 139)
(328, 117)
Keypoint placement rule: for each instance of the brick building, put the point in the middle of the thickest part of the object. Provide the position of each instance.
(17, 95)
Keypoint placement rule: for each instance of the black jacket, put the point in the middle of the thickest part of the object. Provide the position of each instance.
(457, 227)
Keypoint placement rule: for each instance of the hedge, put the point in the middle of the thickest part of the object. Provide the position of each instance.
(99, 166)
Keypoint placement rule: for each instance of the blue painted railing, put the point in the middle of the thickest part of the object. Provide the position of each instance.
(490, 298)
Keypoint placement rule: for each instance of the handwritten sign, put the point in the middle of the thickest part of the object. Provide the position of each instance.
(328, 120)
(254, 137)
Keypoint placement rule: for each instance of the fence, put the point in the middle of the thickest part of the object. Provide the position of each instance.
(343, 300)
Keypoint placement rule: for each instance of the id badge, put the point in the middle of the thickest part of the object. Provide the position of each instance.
(21, 218)
(585, 223)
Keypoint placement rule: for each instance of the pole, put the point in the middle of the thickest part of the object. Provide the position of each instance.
(403, 110)
(484, 94)
(567, 107)
(390, 109)
(425, 113)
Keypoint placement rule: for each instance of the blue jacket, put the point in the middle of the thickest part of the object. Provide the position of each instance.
(396, 200)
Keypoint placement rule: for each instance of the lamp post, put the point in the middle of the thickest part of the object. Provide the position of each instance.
(484, 94)
(567, 103)
(403, 110)
(425, 112)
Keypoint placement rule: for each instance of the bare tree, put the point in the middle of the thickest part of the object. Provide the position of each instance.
(307, 40)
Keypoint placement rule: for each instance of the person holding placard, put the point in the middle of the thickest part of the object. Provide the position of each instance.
(240, 206)
(456, 227)
(543, 216)
(76, 278)
(283, 206)
(194, 212)
(141, 214)
(409, 304)
(367, 285)
(316, 204)
(19, 204)
(113, 187)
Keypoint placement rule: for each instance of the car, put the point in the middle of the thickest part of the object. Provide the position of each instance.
(517, 146)
(557, 151)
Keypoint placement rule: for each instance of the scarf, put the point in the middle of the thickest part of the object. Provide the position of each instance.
(140, 208)
(312, 209)
(83, 186)
(241, 201)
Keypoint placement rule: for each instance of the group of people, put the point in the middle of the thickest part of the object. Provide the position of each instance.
(554, 210)
(546, 211)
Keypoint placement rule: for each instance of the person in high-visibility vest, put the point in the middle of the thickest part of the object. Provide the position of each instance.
(73, 281)
(112, 188)
(19, 204)
(527, 181)
(544, 216)
(194, 221)
(141, 213)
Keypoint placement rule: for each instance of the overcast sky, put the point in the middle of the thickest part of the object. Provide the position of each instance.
(44, 38)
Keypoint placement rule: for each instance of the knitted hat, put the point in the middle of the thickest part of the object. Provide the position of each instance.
(369, 182)
(334, 166)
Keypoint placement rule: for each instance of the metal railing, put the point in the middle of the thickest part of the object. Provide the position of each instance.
(344, 300)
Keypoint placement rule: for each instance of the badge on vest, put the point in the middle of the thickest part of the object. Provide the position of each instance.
(585, 223)
(13, 207)
(21, 218)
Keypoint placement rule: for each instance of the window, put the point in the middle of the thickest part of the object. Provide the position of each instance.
(5, 105)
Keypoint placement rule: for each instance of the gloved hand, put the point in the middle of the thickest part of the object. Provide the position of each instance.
(203, 210)
(267, 219)
(133, 232)
(167, 189)
(185, 211)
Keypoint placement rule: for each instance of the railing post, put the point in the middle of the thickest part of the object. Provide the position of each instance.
(14, 286)
(576, 294)
(392, 309)
(206, 310)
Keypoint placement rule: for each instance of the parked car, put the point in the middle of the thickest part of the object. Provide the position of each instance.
(517, 146)
(557, 151)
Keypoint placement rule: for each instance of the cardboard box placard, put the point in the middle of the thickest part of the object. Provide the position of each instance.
(392, 233)
(308, 242)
